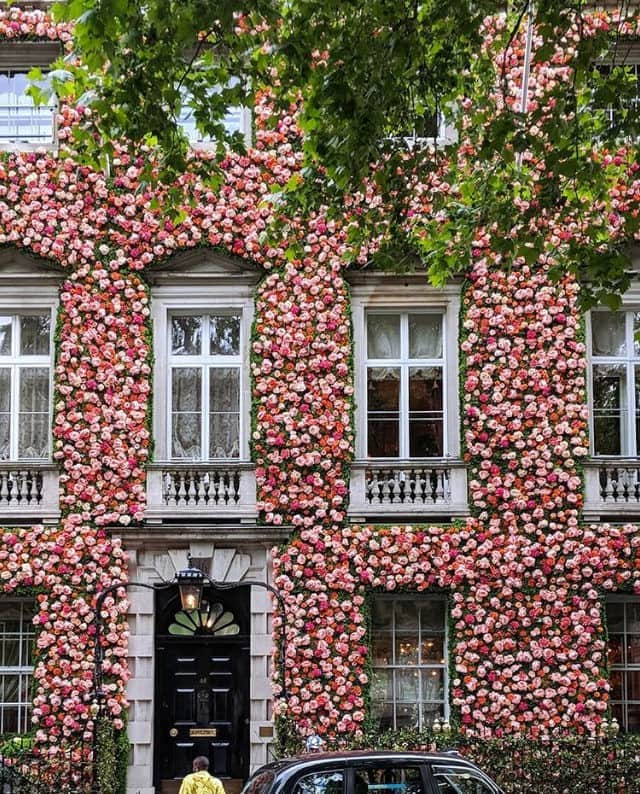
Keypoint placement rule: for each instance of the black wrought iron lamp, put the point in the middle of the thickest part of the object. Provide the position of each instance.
(190, 585)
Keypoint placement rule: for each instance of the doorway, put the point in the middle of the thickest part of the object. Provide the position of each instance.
(202, 688)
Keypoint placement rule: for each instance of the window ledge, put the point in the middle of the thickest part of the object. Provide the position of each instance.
(29, 489)
(612, 486)
(391, 486)
(220, 489)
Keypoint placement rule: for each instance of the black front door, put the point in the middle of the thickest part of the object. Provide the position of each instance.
(202, 695)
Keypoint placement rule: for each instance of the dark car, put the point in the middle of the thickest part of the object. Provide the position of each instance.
(371, 773)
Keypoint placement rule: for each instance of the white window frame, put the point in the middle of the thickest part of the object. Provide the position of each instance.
(624, 667)
(203, 363)
(167, 301)
(22, 671)
(15, 303)
(408, 295)
(22, 57)
(629, 361)
(443, 666)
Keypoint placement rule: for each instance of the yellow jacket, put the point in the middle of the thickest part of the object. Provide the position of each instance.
(201, 783)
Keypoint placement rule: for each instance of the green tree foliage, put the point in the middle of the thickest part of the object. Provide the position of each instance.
(373, 75)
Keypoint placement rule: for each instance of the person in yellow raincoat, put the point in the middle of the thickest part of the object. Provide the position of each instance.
(200, 781)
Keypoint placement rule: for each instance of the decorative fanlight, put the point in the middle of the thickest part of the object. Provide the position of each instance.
(210, 619)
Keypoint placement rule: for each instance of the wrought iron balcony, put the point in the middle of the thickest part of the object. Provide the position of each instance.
(209, 490)
(408, 487)
(612, 487)
(28, 490)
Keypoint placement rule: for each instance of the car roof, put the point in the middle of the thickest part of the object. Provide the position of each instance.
(309, 760)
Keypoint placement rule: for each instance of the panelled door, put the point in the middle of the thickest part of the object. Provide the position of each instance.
(202, 696)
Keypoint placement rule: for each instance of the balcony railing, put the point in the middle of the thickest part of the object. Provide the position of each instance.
(612, 487)
(399, 487)
(210, 490)
(28, 490)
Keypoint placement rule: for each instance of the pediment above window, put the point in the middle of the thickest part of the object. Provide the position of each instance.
(18, 268)
(202, 266)
(27, 54)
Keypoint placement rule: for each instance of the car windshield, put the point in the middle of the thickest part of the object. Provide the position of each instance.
(259, 783)
(460, 780)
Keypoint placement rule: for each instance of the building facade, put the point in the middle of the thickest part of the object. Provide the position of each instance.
(442, 483)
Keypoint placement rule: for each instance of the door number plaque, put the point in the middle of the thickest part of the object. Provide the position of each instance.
(199, 732)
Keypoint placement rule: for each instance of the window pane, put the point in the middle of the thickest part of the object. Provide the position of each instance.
(185, 436)
(608, 333)
(432, 685)
(406, 648)
(425, 336)
(224, 335)
(224, 436)
(633, 685)
(382, 652)
(425, 389)
(382, 613)
(633, 616)
(432, 649)
(383, 336)
(381, 685)
(426, 439)
(320, 783)
(33, 417)
(224, 412)
(35, 331)
(633, 649)
(636, 334)
(186, 389)
(406, 615)
(616, 648)
(454, 780)
(383, 389)
(33, 436)
(5, 417)
(633, 718)
(389, 779)
(5, 336)
(186, 336)
(9, 689)
(432, 616)
(383, 396)
(610, 410)
(34, 390)
(383, 713)
(407, 684)
(615, 615)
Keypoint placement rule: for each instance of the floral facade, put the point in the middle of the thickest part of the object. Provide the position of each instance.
(524, 576)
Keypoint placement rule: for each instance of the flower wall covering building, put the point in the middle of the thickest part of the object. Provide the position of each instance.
(523, 573)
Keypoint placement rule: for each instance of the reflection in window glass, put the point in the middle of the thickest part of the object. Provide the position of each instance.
(623, 653)
(321, 783)
(408, 645)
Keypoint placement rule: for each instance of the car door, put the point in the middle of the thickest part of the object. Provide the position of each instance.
(377, 776)
(322, 780)
(453, 778)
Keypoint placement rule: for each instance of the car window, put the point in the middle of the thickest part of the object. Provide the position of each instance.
(460, 780)
(328, 782)
(259, 783)
(394, 779)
